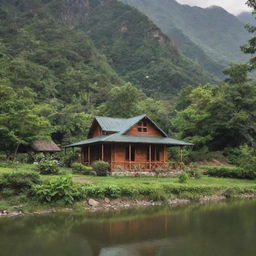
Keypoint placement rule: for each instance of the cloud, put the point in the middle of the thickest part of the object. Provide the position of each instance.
(232, 6)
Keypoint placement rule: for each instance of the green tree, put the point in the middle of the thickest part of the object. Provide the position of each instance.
(218, 116)
(20, 123)
(122, 101)
(238, 73)
(250, 48)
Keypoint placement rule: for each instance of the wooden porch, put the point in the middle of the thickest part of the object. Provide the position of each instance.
(130, 157)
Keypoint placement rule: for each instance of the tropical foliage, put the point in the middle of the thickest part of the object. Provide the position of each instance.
(217, 116)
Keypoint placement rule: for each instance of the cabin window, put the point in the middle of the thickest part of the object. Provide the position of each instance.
(155, 153)
(142, 126)
(127, 153)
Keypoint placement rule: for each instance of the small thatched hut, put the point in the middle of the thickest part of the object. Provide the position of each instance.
(44, 146)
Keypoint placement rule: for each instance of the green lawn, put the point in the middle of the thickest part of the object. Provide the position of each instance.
(149, 188)
(205, 180)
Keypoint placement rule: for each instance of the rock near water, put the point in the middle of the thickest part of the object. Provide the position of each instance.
(93, 202)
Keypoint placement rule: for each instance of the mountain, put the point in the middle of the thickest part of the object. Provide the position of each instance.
(77, 44)
(247, 18)
(216, 34)
(137, 49)
(55, 61)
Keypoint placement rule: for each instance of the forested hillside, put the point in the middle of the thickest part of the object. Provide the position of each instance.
(136, 49)
(211, 36)
(64, 61)
(51, 59)
(53, 79)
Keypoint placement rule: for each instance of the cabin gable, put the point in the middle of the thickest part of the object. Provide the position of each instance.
(96, 131)
(145, 127)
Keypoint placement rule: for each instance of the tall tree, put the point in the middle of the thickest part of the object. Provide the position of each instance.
(238, 73)
(219, 116)
(250, 48)
(122, 101)
(20, 123)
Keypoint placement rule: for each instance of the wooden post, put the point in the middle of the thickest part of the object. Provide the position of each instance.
(130, 156)
(181, 158)
(102, 152)
(150, 157)
(89, 155)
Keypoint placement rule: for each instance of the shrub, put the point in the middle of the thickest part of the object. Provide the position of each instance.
(23, 158)
(19, 181)
(48, 167)
(62, 189)
(183, 178)
(231, 172)
(195, 174)
(8, 192)
(37, 157)
(247, 159)
(158, 195)
(82, 169)
(68, 158)
(101, 168)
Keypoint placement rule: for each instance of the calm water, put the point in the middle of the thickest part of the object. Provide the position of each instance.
(225, 228)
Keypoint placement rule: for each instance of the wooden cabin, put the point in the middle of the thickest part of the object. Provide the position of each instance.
(132, 144)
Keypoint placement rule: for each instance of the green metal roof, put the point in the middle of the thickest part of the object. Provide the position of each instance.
(122, 125)
(110, 124)
(119, 138)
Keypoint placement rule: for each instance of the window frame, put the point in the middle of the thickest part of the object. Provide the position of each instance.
(142, 126)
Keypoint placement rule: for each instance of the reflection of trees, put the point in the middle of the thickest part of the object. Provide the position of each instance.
(145, 231)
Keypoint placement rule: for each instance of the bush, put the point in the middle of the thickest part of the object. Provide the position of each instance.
(82, 169)
(247, 159)
(48, 167)
(195, 174)
(62, 189)
(19, 181)
(68, 158)
(184, 178)
(231, 172)
(101, 168)
(23, 158)
(38, 157)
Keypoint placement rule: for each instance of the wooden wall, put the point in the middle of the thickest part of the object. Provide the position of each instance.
(151, 130)
(96, 132)
(115, 153)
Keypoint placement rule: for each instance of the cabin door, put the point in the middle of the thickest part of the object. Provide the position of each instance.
(107, 153)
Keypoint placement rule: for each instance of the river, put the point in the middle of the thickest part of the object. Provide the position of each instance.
(225, 228)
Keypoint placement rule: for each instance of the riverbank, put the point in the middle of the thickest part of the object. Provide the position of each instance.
(115, 205)
(72, 192)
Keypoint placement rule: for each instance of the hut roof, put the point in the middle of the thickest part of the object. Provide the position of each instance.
(45, 146)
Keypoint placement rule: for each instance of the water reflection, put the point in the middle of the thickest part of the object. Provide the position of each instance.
(226, 228)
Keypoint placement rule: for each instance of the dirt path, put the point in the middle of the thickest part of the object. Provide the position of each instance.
(81, 180)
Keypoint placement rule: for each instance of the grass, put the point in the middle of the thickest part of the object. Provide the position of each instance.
(117, 180)
(153, 188)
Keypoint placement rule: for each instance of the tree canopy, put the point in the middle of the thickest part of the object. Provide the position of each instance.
(20, 122)
(218, 116)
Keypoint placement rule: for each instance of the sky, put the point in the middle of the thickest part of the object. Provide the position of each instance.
(232, 6)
